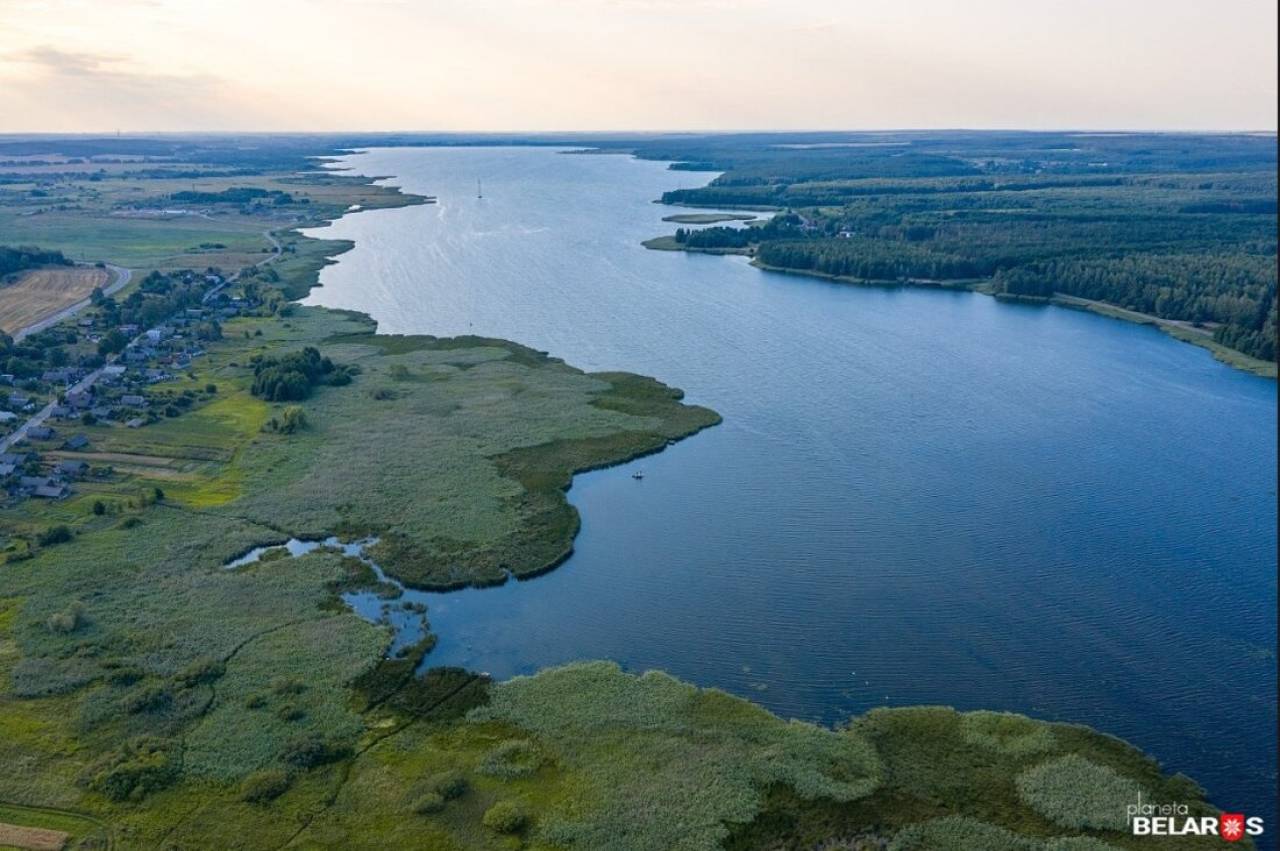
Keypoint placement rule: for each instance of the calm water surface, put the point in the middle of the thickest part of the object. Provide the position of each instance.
(915, 497)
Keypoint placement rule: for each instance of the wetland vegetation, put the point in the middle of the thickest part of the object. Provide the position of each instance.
(151, 698)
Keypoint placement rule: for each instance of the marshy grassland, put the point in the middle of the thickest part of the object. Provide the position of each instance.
(152, 698)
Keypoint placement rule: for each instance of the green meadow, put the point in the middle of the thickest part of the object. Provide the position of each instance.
(152, 698)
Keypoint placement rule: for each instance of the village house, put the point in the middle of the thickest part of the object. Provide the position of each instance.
(133, 400)
(53, 490)
(62, 375)
(76, 441)
(40, 432)
(7, 416)
(80, 398)
(112, 374)
(73, 468)
(61, 412)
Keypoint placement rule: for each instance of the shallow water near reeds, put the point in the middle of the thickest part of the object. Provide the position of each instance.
(916, 496)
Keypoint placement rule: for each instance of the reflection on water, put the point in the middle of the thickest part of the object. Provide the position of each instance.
(915, 497)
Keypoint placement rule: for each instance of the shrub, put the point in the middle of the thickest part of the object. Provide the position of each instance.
(99, 507)
(130, 522)
(292, 418)
(124, 676)
(255, 701)
(149, 699)
(505, 817)
(54, 535)
(512, 759)
(137, 768)
(1074, 792)
(311, 750)
(68, 620)
(428, 803)
(449, 785)
(200, 671)
(290, 712)
(263, 786)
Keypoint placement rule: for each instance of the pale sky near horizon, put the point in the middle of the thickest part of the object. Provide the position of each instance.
(178, 65)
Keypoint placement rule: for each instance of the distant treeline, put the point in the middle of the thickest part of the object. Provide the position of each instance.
(19, 258)
(1177, 227)
(1237, 290)
(233, 195)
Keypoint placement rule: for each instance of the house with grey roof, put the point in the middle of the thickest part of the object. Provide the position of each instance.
(73, 468)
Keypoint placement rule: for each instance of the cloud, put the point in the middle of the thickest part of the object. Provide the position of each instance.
(104, 91)
(58, 61)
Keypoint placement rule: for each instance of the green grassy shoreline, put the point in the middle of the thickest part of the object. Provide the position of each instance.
(151, 698)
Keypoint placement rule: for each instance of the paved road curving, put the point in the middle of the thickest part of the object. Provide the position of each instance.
(122, 277)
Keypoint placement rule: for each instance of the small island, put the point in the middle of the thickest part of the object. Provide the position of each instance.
(708, 218)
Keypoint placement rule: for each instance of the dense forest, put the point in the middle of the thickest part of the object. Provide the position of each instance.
(20, 258)
(1179, 227)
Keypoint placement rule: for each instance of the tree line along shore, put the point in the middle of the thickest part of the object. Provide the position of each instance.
(149, 696)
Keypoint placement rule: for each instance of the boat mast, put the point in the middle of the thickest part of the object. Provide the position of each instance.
(479, 192)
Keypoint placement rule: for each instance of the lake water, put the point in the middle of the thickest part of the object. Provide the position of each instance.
(916, 496)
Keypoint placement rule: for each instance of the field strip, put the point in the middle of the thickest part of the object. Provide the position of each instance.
(41, 293)
(34, 838)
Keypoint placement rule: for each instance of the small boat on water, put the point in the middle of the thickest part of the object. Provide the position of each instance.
(637, 475)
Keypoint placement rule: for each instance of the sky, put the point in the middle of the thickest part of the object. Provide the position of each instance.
(534, 65)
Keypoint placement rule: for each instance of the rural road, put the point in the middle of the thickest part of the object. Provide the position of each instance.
(122, 277)
(43, 414)
(276, 249)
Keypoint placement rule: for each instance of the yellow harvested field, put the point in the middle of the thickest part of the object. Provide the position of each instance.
(43, 292)
(33, 838)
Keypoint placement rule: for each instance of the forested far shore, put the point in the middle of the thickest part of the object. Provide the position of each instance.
(1180, 228)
